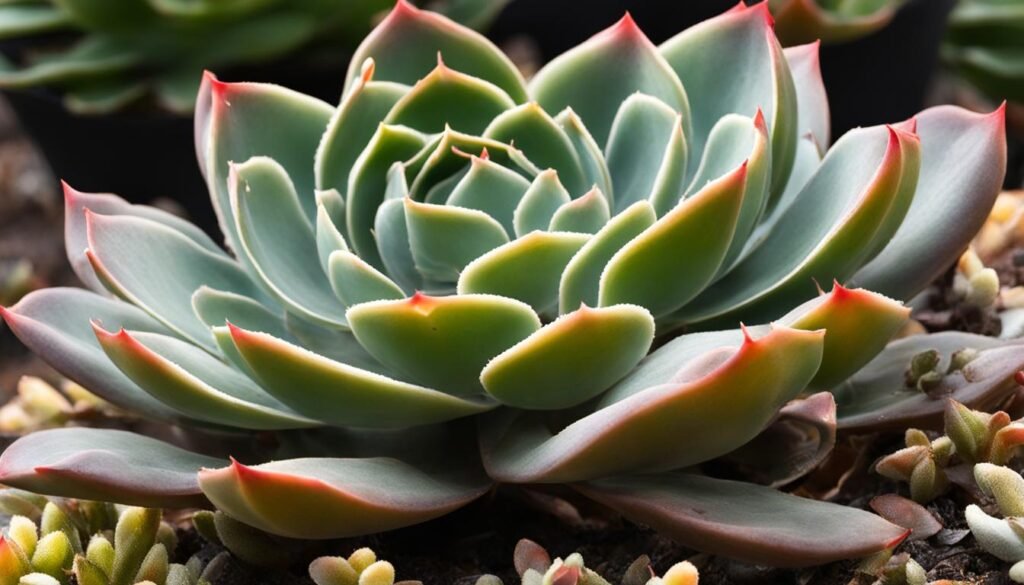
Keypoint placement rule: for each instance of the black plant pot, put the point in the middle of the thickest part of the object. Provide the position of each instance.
(880, 78)
(145, 153)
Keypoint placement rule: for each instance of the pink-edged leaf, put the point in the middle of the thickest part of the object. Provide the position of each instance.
(794, 444)
(963, 161)
(712, 403)
(55, 324)
(813, 115)
(748, 522)
(908, 514)
(877, 398)
(106, 465)
(338, 497)
(75, 239)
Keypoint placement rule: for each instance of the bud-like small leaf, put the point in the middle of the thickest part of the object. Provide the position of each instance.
(489, 580)
(133, 537)
(38, 579)
(155, 565)
(54, 555)
(166, 536)
(683, 573)
(24, 532)
(179, 575)
(203, 521)
(378, 573)
(55, 519)
(101, 554)
(530, 555)
(921, 364)
(967, 429)
(1004, 485)
(13, 562)
(983, 289)
(332, 571)
(86, 573)
(361, 559)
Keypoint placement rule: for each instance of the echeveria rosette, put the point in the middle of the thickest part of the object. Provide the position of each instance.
(103, 55)
(985, 43)
(452, 240)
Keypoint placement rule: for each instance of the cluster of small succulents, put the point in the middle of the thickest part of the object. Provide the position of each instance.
(1001, 537)
(95, 543)
(457, 278)
(38, 405)
(831, 21)
(123, 50)
(984, 43)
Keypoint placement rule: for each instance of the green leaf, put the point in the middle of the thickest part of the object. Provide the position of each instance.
(237, 121)
(443, 342)
(571, 360)
(105, 465)
(329, 238)
(337, 497)
(405, 46)
(368, 182)
(751, 523)
(712, 402)
(798, 21)
(963, 161)
(217, 308)
(594, 78)
(444, 158)
(192, 382)
(758, 77)
(527, 269)
(445, 239)
(280, 241)
(585, 215)
(351, 128)
(542, 140)
(54, 323)
(87, 59)
(673, 260)
(647, 149)
(340, 394)
(539, 204)
(813, 117)
(134, 536)
(581, 278)
(595, 169)
(491, 188)
(392, 234)
(447, 98)
(354, 281)
(21, 20)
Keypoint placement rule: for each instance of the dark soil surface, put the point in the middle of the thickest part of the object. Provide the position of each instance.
(481, 538)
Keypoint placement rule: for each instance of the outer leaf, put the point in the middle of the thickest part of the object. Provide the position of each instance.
(54, 323)
(712, 404)
(335, 497)
(962, 166)
(106, 465)
(876, 398)
(445, 239)
(595, 77)
(191, 381)
(491, 188)
(406, 43)
(443, 342)
(341, 394)
(747, 522)
(572, 359)
(758, 77)
(812, 101)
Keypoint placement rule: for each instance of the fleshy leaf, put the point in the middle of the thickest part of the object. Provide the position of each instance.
(581, 278)
(571, 360)
(813, 111)
(405, 45)
(595, 77)
(585, 215)
(54, 323)
(646, 136)
(758, 77)
(105, 465)
(527, 269)
(192, 382)
(337, 497)
(443, 342)
(539, 204)
(280, 241)
(542, 140)
(354, 281)
(595, 169)
(448, 98)
(877, 397)
(445, 239)
(76, 241)
(963, 161)
(752, 523)
(673, 260)
(713, 403)
(340, 394)
(491, 188)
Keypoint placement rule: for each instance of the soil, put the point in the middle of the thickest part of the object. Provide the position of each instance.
(480, 538)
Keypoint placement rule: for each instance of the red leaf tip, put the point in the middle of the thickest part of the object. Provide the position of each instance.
(747, 338)
(1019, 378)
(896, 541)
(627, 28)
(759, 121)
(762, 6)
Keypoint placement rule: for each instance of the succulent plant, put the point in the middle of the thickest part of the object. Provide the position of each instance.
(39, 405)
(984, 43)
(105, 54)
(456, 278)
(94, 542)
(831, 21)
(1001, 537)
(360, 568)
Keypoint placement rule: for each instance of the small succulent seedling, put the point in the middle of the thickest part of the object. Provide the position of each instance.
(806, 21)
(1001, 537)
(458, 278)
(38, 405)
(360, 568)
(983, 43)
(535, 567)
(974, 284)
(921, 463)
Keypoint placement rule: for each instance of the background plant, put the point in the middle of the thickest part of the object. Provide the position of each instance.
(451, 241)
